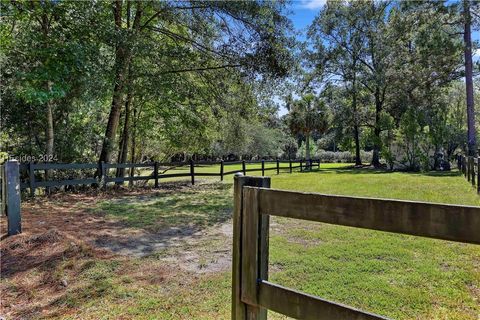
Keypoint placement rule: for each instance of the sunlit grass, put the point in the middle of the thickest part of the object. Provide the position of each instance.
(402, 277)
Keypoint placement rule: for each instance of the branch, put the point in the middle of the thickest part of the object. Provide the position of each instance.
(176, 36)
(158, 13)
(197, 69)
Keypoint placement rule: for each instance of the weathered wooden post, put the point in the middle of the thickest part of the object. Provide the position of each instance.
(244, 169)
(290, 164)
(278, 166)
(11, 196)
(263, 168)
(192, 171)
(155, 173)
(240, 310)
(301, 165)
(221, 170)
(310, 164)
(31, 179)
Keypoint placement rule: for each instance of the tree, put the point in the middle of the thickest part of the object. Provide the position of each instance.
(49, 63)
(338, 45)
(218, 35)
(467, 36)
(306, 116)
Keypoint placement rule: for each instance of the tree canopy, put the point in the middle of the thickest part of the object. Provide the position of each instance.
(127, 81)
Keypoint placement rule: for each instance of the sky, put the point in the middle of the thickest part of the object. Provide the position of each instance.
(303, 13)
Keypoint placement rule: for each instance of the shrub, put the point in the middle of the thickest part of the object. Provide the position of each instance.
(342, 156)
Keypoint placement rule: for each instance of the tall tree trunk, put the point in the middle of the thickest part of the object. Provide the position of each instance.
(123, 56)
(50, 131)
(307, 146)
(122, 59)
(49, 134)
(122, 155)
(133, 145)
(377, 130)
(356, 133)
(123, 146)
(467, 37)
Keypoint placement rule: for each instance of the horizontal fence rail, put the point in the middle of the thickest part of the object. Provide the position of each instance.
(100, 172)
(253, 294)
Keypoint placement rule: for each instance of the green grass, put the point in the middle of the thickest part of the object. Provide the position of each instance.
(196, 207)
(402, 277)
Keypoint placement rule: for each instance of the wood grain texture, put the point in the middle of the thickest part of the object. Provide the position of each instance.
(240, 310)
(441, 221)
(299, 305)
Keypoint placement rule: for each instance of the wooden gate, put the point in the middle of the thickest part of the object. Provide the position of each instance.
(253, 294)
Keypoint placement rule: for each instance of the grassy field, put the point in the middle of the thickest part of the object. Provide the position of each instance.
(402, 277)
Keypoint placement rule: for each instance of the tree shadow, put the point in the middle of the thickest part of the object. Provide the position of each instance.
(351, 170)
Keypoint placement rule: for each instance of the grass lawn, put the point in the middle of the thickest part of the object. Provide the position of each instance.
(402, 277)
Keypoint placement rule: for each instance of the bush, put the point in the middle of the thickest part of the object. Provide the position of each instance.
(342, 156)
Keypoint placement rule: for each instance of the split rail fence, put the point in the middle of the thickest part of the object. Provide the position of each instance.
(103, 176)
(469, 166)
(253, 294)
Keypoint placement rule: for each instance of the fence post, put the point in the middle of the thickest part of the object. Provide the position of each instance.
(31, 178)
(11, 196)
(244, 169)
(290, 164)
(263, 168)
(240, 310)
(278, 166)
(155, 174)
(318, 163)
(192, 171)
(310, 164)
(301, 165)
(464, 165)
(221, 170)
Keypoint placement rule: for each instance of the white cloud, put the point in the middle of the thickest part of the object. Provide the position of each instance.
(312, 4)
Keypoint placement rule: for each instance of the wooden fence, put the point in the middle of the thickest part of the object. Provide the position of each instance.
(253, 294)
(104, 177)
(469, 167)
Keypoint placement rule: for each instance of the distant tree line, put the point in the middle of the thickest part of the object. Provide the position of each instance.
(127, 81)
(394, 77)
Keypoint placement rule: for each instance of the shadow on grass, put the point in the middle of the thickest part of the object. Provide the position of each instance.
(164, 219)
(441, 173)
(351, 170)
(199, 206)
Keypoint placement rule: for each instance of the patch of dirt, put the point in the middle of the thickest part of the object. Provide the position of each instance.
(61, 228)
